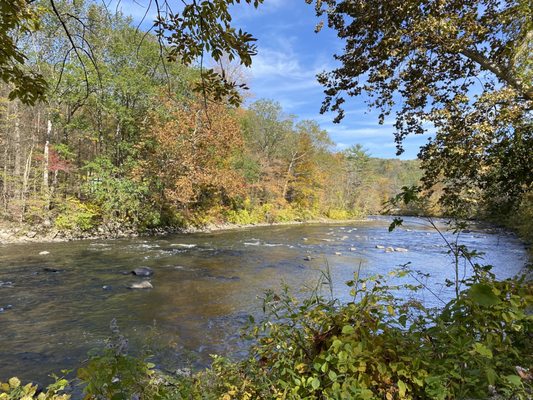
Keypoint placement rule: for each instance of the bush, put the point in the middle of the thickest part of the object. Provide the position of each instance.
(381, 347)
(75, 215)
(13, 390)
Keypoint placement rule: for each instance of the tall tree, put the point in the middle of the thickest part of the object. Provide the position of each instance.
(461, 67)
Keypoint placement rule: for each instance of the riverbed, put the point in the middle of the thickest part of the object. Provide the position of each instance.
(57, 299)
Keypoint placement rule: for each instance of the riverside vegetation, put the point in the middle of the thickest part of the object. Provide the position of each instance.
(126, 139)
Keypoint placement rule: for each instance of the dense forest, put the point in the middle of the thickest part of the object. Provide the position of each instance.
(124, 143)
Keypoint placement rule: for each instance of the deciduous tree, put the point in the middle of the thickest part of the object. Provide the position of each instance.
(460, 68)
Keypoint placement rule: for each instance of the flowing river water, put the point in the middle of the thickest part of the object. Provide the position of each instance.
(57, 307)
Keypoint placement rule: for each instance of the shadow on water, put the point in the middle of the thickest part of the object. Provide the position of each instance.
(205, 285)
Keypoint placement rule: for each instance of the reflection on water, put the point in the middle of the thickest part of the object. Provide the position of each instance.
(205, 285)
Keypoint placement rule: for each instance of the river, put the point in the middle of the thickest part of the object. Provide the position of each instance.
(57, 307)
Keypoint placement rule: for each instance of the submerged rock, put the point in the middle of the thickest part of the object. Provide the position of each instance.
(51, 269)
(143, 271)
(223, 278)
(107, 287)
(141, 285)
(307, 258)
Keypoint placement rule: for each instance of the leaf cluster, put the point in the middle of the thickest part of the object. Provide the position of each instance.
(204, 28)
(17, 18)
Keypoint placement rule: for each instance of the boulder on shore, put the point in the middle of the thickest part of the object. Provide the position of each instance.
(141, 285)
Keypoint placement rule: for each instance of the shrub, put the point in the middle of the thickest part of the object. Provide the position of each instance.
(13, 390)
(381, 347)
(75, 215)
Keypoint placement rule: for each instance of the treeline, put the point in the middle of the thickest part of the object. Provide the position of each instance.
(125, 142)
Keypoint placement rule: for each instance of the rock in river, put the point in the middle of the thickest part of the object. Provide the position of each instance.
(378, 246)
(44, 253)
(143, 271)
(50, 269)
(401, 250)
(141, 285)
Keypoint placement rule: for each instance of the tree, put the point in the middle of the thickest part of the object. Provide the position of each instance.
(188, 33)
(188, 153)
(17, 18)
(461, 67)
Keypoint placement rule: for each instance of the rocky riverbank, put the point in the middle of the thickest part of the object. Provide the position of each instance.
(12, 234)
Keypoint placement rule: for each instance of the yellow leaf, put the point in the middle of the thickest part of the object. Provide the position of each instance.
(14, 383)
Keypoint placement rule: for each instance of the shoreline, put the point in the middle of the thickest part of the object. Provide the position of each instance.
(24, 234)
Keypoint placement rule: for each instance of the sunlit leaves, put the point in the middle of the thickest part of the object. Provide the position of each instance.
(440, 66)
(17, 18)
(188, 152)
(204, 29)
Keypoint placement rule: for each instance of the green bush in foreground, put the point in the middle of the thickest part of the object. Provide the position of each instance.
(379, 346)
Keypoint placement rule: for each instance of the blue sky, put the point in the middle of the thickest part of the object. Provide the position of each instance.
(290, 56)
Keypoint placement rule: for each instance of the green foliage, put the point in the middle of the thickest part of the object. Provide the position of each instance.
(18, 17)
(117, 375)
(13, 390)
(76, 215)
(382, 347)
(338, 214)
(120, 199)
(204, 28)
(522, 220)
(422, 60)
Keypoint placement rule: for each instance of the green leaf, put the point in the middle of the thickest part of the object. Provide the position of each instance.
(315, 383)
(483, 295)
(483, 350)
(332, 375)
(402, 387)
(347, 329)
(514, 380)
(491, 376)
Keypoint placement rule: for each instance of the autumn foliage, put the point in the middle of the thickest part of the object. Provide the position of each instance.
(188, 150)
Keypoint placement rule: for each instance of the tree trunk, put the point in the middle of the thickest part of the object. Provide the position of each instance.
(46, 158)
(24, 192)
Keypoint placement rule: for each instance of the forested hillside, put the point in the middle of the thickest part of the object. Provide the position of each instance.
(125, 143)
